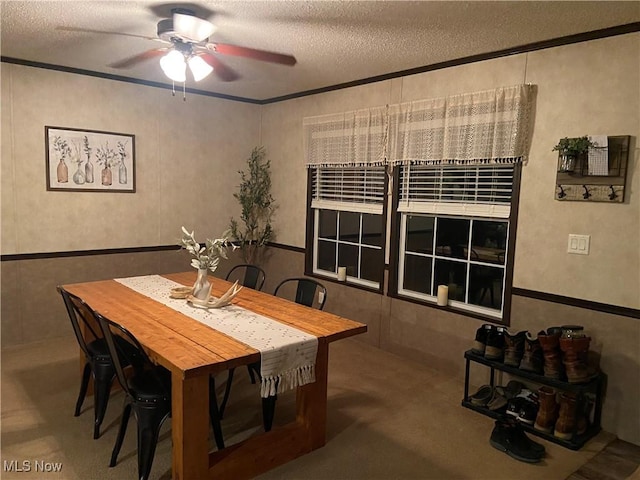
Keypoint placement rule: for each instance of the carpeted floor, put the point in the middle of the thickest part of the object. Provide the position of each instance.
(388, 418)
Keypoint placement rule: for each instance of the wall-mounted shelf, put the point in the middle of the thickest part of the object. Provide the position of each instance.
(586, 183)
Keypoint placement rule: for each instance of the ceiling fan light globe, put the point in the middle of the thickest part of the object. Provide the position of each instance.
(199, 68)
(174, 66)
(191, 27)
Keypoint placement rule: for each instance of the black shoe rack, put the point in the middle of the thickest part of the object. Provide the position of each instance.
(594, 388)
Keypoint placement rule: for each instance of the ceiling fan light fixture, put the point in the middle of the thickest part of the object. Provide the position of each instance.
(199, 68)
(174, 66)
(191, 27)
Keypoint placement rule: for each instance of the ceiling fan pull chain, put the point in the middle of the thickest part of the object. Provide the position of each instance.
(184, 91)
(173, 88)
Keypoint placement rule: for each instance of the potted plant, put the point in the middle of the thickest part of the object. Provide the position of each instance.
(569, 149)
(258, 206)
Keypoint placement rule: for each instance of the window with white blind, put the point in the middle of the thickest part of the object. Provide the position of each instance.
(454, 230)
(348, 222)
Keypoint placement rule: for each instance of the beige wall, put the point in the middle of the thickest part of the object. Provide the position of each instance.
(188, 154)
(187, 158)
(582, 89)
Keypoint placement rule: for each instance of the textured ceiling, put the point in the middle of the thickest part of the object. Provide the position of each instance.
(334, 41)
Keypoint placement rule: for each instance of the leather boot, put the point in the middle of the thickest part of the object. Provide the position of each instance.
(550, 343)
(568, 418)
(480, 342)
(532, 358)
(514, 348)
(495, 344)
(575, 352)
(547, 411)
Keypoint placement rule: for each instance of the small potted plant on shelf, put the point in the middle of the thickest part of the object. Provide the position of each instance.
(569, 149)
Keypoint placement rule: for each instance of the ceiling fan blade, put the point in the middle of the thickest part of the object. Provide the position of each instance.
(223, 72)
(141, 57)
(191, 27)
(103, 32)
(263, 55)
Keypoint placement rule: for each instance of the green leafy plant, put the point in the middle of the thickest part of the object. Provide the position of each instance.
(258, 206)
(573, 146)
(206, 256)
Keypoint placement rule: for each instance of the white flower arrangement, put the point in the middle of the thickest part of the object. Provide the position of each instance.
(206, 256)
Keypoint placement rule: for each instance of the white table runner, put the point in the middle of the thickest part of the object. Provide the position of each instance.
(288, 354)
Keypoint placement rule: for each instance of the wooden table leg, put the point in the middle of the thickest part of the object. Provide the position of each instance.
(282, 444)
(190, 427)
(311, 401)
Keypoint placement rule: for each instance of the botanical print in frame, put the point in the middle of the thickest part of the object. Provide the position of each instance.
(89, 160)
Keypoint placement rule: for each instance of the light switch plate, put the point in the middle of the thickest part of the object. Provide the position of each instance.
(578, 244)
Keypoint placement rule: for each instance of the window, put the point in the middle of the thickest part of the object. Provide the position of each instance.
(454, 230)
(348, 222)
(456, 164)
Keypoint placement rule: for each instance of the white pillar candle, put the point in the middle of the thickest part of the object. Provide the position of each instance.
(342, 274)
(443, 294)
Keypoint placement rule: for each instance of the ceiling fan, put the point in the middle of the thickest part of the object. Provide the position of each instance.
(187, 38)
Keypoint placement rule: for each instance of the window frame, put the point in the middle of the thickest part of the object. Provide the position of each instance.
(311, 237)
(391, 251)
(398, 236)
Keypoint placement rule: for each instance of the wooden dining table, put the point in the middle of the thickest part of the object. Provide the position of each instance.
(192, 351)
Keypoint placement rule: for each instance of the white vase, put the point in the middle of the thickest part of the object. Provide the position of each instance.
(202, 287)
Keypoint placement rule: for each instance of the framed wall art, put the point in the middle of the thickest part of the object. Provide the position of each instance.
(89, 160)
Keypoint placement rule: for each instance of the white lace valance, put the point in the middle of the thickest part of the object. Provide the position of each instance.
(492, 126)
(356, 138)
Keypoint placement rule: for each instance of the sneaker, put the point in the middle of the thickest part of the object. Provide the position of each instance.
(480, 342)
(528, 412)
(508, 436)
(514, 405)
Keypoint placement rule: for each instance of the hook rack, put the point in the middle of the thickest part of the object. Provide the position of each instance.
(603, 184)
(561, 193)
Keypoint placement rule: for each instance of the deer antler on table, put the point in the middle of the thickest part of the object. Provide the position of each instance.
(213, 302)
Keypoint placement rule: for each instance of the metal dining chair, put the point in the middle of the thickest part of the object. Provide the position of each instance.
(250, 276)
(147, 394)
(98, 362)
(307, 292)
(304, 291)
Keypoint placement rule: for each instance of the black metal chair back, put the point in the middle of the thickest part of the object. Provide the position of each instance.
(148, 394)
(250, 276)
(74, 306)
(114, 333)
(98, 360)
(307, 291)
